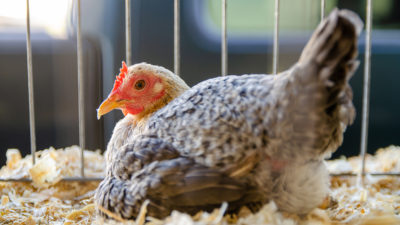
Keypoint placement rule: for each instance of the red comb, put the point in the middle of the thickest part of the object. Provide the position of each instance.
(119, 79)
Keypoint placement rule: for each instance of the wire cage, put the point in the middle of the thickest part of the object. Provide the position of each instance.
(224, 66)
(177, 70)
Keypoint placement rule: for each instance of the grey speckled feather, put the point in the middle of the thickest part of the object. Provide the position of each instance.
(244, 140)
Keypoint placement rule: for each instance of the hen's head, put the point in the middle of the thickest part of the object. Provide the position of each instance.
(142, 89)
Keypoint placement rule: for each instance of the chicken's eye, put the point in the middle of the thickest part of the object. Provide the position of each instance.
(140, 84)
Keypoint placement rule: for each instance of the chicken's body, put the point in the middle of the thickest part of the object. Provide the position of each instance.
(244, 140)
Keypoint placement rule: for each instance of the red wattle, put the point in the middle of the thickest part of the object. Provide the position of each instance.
(132, 110)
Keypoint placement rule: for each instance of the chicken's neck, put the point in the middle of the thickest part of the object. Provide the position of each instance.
(173, 89)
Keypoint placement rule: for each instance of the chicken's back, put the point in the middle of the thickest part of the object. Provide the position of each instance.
(218, 121)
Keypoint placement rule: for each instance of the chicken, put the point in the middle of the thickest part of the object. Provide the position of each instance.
(244, 140)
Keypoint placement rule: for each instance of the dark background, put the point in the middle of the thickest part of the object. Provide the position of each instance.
(55, 68)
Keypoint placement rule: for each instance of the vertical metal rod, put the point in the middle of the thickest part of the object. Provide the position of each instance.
(322, 9)
(177, 56)
(81, 100)
(224, 49)
(366, 88)
(30, 85)
(276, 39)
(128, 32)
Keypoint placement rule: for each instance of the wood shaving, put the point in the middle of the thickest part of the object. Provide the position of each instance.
(47, 200)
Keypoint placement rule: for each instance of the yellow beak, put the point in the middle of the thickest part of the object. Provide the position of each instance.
(108, 105)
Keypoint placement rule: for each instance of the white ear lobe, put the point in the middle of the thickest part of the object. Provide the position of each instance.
(157, 87)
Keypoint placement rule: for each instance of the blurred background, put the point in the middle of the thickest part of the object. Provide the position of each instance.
(250, 32)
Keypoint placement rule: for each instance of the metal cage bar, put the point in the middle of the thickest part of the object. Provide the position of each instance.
(128, 33)
(322, 9)
(224, 47)
(81, 97)
(366, 87)
(372, 174)
(79, 179)
(30, 85)
(177, 53)
(276, 39)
